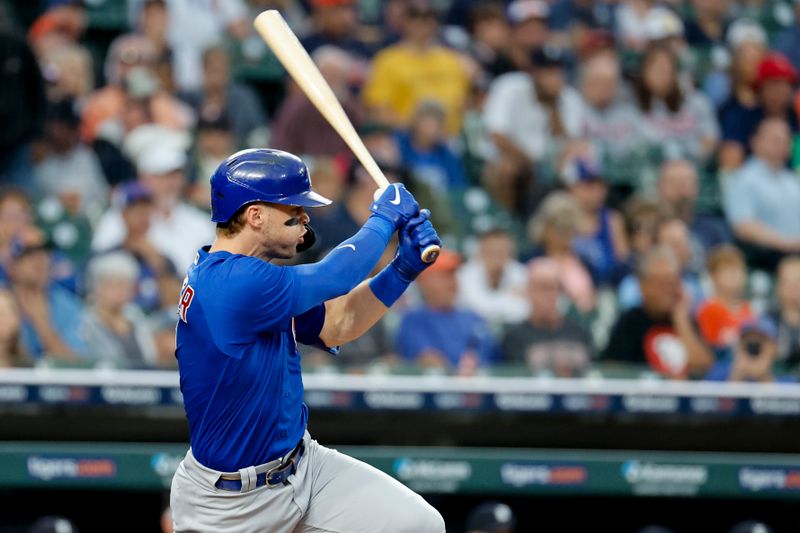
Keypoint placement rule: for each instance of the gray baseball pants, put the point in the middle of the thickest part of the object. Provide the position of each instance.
(329, 493)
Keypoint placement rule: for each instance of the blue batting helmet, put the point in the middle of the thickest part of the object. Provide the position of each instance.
(260, 175)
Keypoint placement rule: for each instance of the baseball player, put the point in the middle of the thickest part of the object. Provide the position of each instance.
(252, 466)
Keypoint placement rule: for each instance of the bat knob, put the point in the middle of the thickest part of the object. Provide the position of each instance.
(430, 253)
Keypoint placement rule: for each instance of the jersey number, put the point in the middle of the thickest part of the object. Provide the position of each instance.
(186, 300)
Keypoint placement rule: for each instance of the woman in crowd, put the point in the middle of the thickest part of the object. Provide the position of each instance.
(115, 330)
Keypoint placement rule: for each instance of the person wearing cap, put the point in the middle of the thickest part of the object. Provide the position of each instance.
(754, 355)
(547, 340)
(530, 29)
(527, 114)
(492, 282)
(300, 128)
(335, 23)
(114, 329)
(440, 334)
(603, 245)
(761, 198)
(51, 315)
(491, 517)
(677, 122)
(747, 42)
(415, 69)
(177, 229)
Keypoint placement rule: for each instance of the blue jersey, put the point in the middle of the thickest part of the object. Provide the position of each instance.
(238, 359)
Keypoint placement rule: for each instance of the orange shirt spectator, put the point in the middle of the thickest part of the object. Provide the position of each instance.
(721, 316)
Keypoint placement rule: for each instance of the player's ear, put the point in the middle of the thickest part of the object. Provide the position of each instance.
(255, 215)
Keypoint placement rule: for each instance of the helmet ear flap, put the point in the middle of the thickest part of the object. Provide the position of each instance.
(308, 239)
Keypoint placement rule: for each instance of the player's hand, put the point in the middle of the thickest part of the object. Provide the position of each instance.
(396, 205)
(414, 237)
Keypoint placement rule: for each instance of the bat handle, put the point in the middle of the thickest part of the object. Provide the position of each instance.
(430, 253)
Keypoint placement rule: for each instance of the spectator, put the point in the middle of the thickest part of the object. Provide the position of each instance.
(69, 73)
(114, 329)
(708, 24)
(548, 340)
(177, 229)
(529, 29)
(787, 313)
(153, 23)
(439, 334)
(555, 227)
(610, 120)
(754, 356)
(671, 232)
(788, 41)
(762, 197)
(774, 80)
(16, 222)
(491, 38)
(602, 244)
(50, 314)
(214, 141)
(132, 95)
(317, 137)
(678, 189)
(219, 94)
(22, 106)
(163, 325)
(491, 517)
(676, 123)
(493, 282)
(11, 351)
(528, 114)
(62, 24)
(660, 332)
(425, 152)
(66, 166)
(155, 270)
(642, 217)
(740, 114)
(416, 69)
(720, 316)
(335, 23)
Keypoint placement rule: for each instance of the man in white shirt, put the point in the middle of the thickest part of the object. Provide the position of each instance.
(177, 229)
(493, 282)
(527, 115)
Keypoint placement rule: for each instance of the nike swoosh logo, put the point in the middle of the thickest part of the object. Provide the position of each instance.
(396, 200)
(353, 246)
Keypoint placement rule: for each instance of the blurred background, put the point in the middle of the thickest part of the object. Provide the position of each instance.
(611, 340)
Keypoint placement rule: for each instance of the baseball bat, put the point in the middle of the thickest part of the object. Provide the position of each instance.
(294, 58)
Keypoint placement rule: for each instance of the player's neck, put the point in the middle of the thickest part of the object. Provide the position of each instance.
(235, 245)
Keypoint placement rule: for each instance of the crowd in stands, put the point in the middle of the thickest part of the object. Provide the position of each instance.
(616, 181)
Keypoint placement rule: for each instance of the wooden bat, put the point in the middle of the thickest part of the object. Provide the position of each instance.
(294, 58)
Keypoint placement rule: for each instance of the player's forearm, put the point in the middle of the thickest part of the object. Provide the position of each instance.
(344, 267)
(350, 316)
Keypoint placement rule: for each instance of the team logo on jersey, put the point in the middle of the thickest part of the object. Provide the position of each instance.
(187, 295)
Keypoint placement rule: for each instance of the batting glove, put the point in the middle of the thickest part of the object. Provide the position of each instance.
(396, 205)
(415, 236)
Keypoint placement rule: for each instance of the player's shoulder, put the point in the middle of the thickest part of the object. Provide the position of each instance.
(234, 274)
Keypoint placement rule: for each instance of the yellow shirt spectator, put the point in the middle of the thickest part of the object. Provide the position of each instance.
(404, 76)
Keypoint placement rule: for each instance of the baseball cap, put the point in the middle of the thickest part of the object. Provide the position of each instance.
(548, 56)
(580, 170)
(491, 517)
(775, 66)
(161, 160)
(743, 31)
(132, 193)
(661, 23)
(331, 3)
(762, 325)
(53, 524)
(521, 10)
